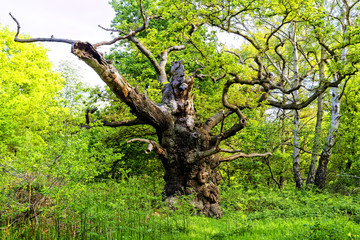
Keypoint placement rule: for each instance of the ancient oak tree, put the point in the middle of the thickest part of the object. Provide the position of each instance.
(190, 149)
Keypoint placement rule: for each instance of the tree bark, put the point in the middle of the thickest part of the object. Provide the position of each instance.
(185, 147)
(314, 158)
(182, 139)
(187, 150)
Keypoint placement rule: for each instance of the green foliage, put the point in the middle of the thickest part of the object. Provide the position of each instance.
(132, 209)
(28, 89)
(75, 96)
(171, 29)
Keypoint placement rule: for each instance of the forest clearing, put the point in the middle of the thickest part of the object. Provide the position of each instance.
(192, 136)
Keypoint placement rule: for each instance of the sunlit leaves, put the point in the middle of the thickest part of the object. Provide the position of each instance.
(28, 90)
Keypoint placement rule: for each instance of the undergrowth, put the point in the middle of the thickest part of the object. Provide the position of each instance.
(134, 209)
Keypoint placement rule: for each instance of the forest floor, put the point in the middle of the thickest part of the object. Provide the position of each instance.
(133, 209)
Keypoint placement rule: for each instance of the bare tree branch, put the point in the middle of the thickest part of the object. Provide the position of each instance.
(309, 100)
(237, 55)
(302, 149)
(230, 106)
(267, 162)
(131, 36)
(51, 39)
(108, 124)
(163, 60)
(152, 146)
(132, 33)
(228, 133)
(123, 123)
(216, 119)
(115, 124)
(244, 155)
(145, 109)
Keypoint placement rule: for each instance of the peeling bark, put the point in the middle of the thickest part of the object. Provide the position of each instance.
(336, 93)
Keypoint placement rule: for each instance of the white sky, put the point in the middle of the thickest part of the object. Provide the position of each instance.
(72, 19)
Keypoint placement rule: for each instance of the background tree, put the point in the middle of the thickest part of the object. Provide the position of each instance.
(28, 99)
(273, 25)
(345, 16)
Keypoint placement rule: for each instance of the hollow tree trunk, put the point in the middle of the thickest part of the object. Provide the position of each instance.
(186, 172)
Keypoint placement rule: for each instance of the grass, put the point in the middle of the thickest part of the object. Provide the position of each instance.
(133, 209)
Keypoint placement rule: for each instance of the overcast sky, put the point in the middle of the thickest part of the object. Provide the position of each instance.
(72, 19)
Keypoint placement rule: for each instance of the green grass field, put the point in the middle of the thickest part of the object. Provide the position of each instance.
(133, 209)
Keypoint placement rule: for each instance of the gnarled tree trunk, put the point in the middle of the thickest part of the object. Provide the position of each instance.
(184, 139)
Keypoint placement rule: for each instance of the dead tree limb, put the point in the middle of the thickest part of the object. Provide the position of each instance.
(243, 155)
(152, 146)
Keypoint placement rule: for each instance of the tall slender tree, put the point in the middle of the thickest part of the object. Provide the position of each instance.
(345, 14)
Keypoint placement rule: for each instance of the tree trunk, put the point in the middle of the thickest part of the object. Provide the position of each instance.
(321, 172)
(188, 153)
(319, 116)
(314, 158)
(186, 172)
(296, 151)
